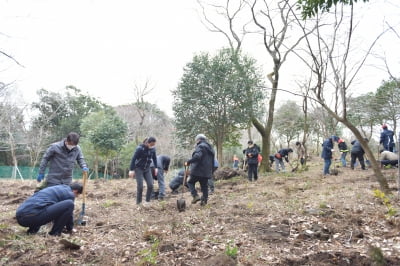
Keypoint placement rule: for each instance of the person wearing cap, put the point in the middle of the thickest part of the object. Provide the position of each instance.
(282, 153)
(62, 156)
(143, 157)
(343, 151)
(327, 150)
(387, 138)
(201, 168)
(52, 204)
(251, 154)
(357, 152)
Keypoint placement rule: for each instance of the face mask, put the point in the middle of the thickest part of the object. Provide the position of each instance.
(70, 147)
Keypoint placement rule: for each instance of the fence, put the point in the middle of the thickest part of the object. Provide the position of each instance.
(31, 172)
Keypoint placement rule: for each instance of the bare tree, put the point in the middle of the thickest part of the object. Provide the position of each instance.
(273, 21)
(141, 106)
(334, 72)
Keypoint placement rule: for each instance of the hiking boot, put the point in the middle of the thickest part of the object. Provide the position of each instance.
(195, 199)
(203, 202)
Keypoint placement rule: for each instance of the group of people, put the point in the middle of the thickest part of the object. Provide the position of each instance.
(54, 201)
(387, 156)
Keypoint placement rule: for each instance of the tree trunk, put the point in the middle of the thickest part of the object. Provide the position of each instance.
(375, 166)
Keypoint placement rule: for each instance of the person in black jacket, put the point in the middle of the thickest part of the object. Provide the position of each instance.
(343, 151)
(283, 153)
(144, 155)
(201, 168)
(251, 153)
(177, 181)
(357, 152)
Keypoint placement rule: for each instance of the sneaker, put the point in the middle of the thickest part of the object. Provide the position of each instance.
(160, 198)
(203, 202)
(195, 199)
(146, 204)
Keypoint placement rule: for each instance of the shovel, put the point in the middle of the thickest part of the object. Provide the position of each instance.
(180, 203)
(82, 214)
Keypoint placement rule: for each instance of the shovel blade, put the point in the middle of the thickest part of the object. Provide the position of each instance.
(181, 205)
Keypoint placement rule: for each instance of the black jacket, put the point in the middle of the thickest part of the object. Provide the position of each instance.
(252, 154)
(143, 157)
(356, 149)
(202, 161)
(285, 153)
(342, 147)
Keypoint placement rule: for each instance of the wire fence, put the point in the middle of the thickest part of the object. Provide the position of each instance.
(26, 172)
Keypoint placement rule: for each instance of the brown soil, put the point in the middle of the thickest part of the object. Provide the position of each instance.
(296, 218)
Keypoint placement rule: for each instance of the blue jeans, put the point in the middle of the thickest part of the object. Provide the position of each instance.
(61, 213)
(141, 174)
(327, 164)
(279, 163)
(161, 183)
(203, 185)
(210, 184)
(343, 159)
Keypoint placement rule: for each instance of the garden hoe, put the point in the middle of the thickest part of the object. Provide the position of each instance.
(82, 214)
(180, 203)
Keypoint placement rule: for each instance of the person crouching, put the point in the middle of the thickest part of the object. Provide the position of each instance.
(52, 204)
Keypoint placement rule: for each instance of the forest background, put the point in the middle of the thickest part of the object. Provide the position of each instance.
(276, 76)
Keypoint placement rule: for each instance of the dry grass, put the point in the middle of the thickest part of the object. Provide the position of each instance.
(297, 218)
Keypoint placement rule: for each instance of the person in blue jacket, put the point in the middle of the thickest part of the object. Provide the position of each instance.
(52, 204)
(144, 156)
(251, 154)
(327, 149)
(279, 156)
(387, 138)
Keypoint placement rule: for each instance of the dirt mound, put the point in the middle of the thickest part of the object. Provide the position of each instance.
(228, 173)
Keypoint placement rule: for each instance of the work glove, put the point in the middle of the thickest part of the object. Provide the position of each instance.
(40, 177)
(85, 169)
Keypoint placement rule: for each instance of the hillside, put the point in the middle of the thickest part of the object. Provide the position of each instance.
(286, 219)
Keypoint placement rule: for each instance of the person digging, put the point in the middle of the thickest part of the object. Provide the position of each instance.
(201, 168)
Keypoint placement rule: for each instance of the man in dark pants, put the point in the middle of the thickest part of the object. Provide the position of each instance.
(52, 204)
(252, 160)
(201, 168)
(357, 152)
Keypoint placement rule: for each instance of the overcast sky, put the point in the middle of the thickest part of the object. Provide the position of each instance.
(106, 47)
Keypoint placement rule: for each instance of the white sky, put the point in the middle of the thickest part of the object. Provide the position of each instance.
(105, 47)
